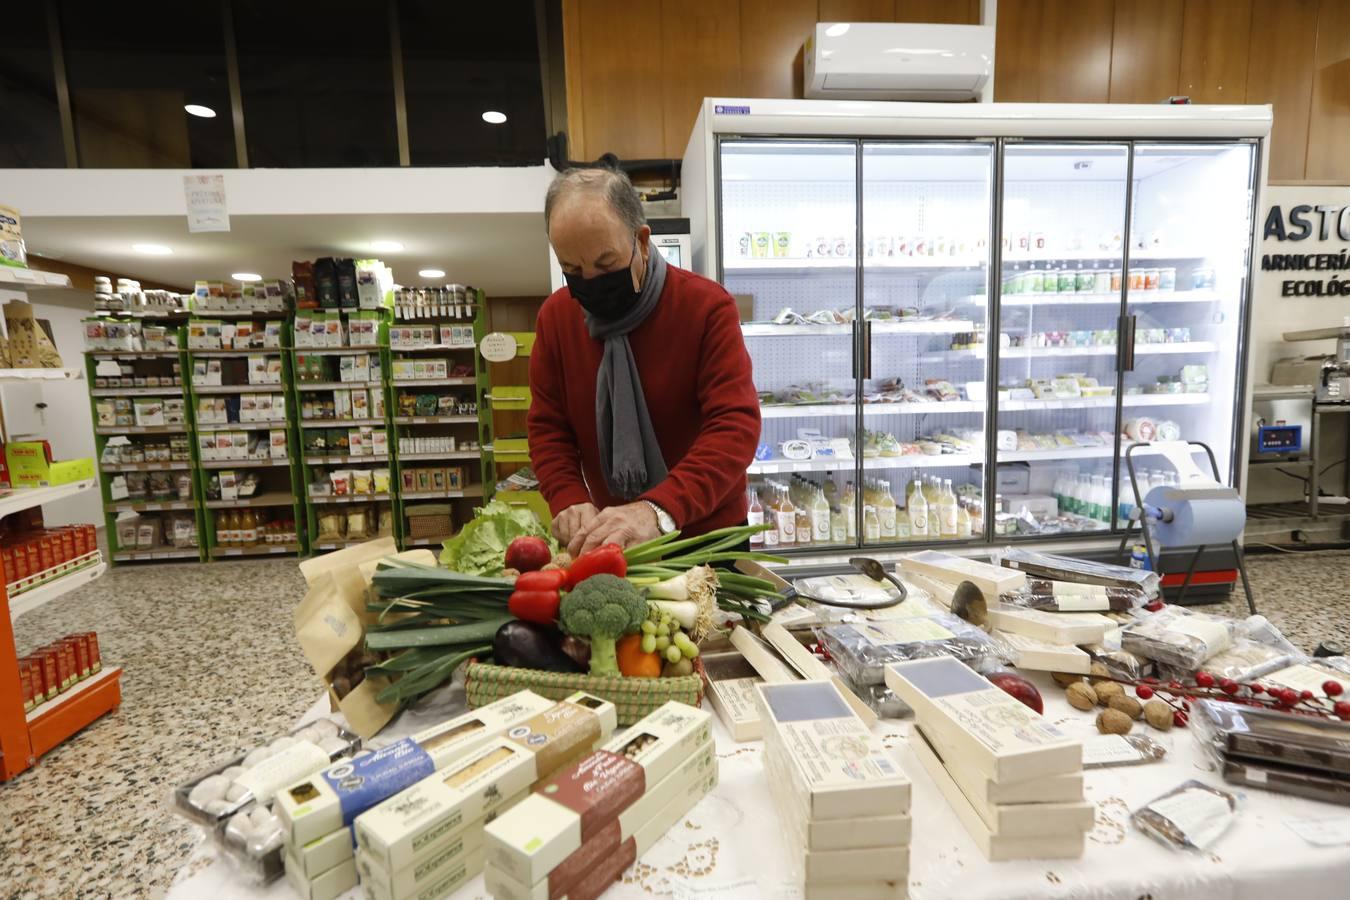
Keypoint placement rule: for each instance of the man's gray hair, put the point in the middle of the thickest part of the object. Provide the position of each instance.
(612, 183)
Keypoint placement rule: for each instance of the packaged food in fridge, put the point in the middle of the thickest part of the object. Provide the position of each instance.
(1176, 636)
(862, 649)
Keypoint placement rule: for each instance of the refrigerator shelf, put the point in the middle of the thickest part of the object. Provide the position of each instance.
(973, 406)
(1112, 299)
(788, 266)
(879, 326)
(786, 466)
(1107, 255)
(1104, 350)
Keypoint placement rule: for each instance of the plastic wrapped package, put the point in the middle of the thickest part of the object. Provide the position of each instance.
(254, 841)
(1246, 660)
(1119, 663)
(862, 649)
(1191, 816)
(1066, 596)
(1064, 568)
(880, 699)
(1177, 637)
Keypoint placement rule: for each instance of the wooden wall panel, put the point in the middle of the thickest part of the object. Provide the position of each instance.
(942, 12)
(1329, 131)
(1215, 37)
(1075, 50)
(576, 97)
(1017, 51)
(700, 57)
(621, 78)
(772, 34)
(1146, 50)
(1280, 72)
(856, 11)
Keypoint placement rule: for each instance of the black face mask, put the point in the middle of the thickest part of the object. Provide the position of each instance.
(608, 295)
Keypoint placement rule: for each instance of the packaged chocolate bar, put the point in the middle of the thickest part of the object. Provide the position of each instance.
(1230, 731)
(1063, 568)
(862, 649)
(1176, 636)
(1246, 660)
(1070, 596)
(1287, 780)
(1191, 816)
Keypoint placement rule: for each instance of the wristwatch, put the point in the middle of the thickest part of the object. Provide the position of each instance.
(663, 520)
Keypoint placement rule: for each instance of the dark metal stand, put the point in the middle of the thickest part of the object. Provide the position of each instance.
(1146, 530)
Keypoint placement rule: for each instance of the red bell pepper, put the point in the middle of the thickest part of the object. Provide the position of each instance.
(539, 607)
(552, 580)
(607, 559)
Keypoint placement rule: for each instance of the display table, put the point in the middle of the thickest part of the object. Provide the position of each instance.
(731, 845)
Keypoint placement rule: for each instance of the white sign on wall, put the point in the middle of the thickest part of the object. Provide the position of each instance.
(206, 210)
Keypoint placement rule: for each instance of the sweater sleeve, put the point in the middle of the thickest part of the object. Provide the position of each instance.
(554, 452)
(725, 446)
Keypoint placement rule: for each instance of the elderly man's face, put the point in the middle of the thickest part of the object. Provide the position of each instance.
(590, 239)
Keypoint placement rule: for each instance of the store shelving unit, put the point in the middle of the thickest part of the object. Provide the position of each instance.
(334, 436)
(172, 444)
(278, 493)
(466, 424)
(26, 736)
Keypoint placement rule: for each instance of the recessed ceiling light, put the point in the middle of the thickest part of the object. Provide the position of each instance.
(386, 246)
(246, 276)
(492, 117)
(431, 273)
(152, 249)
(201, 112)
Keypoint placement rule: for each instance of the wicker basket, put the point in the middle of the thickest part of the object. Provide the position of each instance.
(633, 698)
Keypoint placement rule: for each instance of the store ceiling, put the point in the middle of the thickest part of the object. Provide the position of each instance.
(504, 254)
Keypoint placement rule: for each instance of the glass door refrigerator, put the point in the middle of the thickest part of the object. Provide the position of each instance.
(961, 315)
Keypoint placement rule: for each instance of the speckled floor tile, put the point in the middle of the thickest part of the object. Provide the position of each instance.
(211, 663)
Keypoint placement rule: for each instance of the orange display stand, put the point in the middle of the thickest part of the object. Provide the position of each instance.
(26, 736)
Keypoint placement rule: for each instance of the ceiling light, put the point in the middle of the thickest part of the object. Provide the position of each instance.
(246, 276)
(152, 249)
(837, 29)
(431, 273)
(492, 117)
(201, 112)
(386, 246)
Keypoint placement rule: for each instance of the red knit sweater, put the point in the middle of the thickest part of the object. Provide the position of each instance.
(700, 394)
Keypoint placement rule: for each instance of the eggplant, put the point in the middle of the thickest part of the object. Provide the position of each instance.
(579, 649)
(526, 645)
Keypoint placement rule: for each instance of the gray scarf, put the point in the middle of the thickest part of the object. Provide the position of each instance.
(629, 454)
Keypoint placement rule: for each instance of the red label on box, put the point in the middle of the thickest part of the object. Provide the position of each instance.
(46, 552)
(7, 562)
(81, 542)
(26, 684)
(51, 681)
(95, 658)
(80, 656)
(67, 545)
(34, 558)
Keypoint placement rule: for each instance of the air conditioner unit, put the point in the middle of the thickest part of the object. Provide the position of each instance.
(886, 61)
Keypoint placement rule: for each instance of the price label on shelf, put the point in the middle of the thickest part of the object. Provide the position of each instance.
(801, 467)
(234, 553)
(151, 507)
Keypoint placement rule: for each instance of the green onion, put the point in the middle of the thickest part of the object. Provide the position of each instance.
(430, 637)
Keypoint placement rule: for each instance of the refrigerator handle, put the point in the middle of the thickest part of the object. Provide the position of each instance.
(853, 348)
(867, 351)
(1127, 327)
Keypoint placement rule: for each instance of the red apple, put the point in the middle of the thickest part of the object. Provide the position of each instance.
(528, 554)
(1016, 686)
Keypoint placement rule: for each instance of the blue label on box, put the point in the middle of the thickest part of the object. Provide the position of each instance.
(721, 110)
(361, 783)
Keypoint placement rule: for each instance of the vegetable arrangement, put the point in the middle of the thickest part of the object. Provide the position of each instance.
(638, 613)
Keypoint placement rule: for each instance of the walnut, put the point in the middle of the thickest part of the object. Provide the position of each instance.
(1158, 714)
(1081, 696)
(1113, 721)
(1128, 705)
(1064, 679)
(1106, 690)
(1097, 670)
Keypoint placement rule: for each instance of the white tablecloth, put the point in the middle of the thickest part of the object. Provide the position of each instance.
(731, 845)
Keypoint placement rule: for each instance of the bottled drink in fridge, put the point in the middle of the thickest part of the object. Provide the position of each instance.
(963, 523)
(848, 506)
(871, 525)
(886, 510)
(1101, 499)
(755, 516)
(804, 529)
(917, 507)
(787, 520)
(831, 489)
(820, 518)
(947, 511)
(838, 527)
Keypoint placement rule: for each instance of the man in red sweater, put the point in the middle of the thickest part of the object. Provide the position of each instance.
(644, 414)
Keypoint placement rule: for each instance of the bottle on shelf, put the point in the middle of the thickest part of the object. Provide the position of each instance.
(1125, 505)
(770, 504)
(963, 521)
(886, 510)
(838, 527)
(1101, 499)
(831, 489)
(947, 511)
(820, 518)
(849, 508)
(976, 516)
(871, 525)
(755, 516)
(805, 531)
(786, 518)
(249, 527)
(917, 507)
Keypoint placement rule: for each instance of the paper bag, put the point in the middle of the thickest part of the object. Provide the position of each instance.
(30, 347)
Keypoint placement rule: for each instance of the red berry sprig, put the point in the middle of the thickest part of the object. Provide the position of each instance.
(1205, 685)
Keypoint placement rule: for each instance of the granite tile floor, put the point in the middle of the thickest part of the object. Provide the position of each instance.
(211, 663)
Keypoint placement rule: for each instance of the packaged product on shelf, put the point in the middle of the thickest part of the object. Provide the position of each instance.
(571, 807)
(1045, 656)
(1246, 660)
(1191, 816)
(1228, 732)
(1177, 636)
(1053, 627)
(729, 684)
(991, 580)
(863, 649)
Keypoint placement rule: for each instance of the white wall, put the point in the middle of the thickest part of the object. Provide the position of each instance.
(68, 424)
(1273, 315)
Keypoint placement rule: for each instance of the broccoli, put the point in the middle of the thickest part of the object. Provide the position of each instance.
(603, 608)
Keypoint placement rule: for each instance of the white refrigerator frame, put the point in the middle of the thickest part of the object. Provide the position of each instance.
(862, 119)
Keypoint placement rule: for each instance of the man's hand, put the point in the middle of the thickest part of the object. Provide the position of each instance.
(572, 521)
(625, 525)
